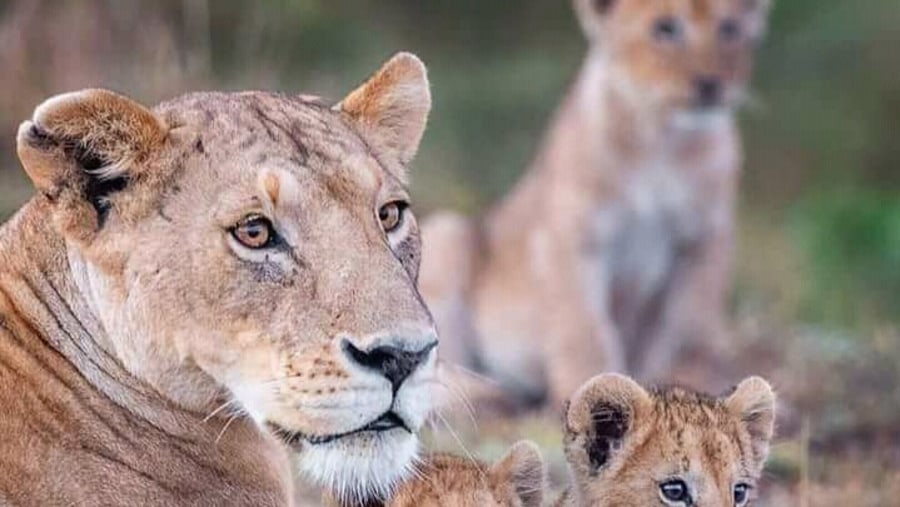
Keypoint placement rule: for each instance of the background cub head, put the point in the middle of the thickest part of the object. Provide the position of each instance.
(258, 249)
(516, 480)
(633, 448)
(680, 55)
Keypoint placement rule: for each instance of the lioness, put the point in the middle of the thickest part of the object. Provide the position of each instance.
(199, 283)
(617, 243)
(630, 447)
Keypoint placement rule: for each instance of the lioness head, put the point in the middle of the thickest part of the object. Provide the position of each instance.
(256, 248)
(633, 448)
(678, 55)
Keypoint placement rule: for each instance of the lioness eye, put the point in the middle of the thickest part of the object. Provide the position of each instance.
(391, 215)
(667, 29)
(741, 494)
(675, 491)
(254, 232)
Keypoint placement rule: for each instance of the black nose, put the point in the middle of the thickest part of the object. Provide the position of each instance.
(709, 90)
(394, 363)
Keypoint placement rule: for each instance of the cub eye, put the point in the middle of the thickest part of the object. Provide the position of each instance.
(741, 494)
(729, 30)
(667, 29)
(254, 232)
(675, 491)
(391, 215)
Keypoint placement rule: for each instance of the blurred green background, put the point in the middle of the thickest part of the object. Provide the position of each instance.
(817, 298)
(820, 212)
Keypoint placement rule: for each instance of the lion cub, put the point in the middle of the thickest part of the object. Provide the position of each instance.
(629, 447)
(516, 480)
(616, 245)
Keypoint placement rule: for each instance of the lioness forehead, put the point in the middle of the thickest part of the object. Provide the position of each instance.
(264, 129)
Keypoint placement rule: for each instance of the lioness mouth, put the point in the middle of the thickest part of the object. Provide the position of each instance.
(387, 422)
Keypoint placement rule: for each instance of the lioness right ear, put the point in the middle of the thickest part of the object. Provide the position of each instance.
(392, 107)
(86, 145)
(600, 417)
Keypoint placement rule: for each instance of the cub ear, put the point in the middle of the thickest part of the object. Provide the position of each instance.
(88, 143)
(753, 401)
(601, 416)
(523, 467)
(392, 107)
(592, 14)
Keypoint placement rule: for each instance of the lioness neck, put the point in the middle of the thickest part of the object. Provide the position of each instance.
(103, 432)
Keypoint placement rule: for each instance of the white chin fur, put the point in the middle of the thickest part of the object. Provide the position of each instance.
(362, 467)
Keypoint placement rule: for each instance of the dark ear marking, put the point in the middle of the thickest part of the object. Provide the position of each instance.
(98, 187)
(609, 424)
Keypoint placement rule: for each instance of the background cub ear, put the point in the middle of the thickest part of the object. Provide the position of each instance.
(87, 145)
(756, 13)
(592, 14)
(753, 401)
(523, 467)
(392, 107)
(601, 416)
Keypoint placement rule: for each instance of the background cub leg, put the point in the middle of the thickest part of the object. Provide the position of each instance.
(692, 322)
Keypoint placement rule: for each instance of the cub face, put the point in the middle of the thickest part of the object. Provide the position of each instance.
(516, 480)
(630, 447)
(256, 249)
(677, 55)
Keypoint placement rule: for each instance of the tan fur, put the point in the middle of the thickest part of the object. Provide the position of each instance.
(516, 480)
(145, 354)
(622, 442)
(616, 244)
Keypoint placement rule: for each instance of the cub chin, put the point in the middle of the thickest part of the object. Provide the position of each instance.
(631, 447)
(518, 479)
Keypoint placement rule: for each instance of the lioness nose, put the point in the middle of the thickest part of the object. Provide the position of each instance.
(394, 363)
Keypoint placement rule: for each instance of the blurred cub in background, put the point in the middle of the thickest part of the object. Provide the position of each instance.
(617, 243)
(630, 447)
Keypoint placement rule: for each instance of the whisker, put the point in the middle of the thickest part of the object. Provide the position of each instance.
(462, 446)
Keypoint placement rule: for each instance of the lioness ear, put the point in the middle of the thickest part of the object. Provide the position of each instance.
(88, 142)
(599, 418)
(523, 467)
(753, 400)
(392, 107)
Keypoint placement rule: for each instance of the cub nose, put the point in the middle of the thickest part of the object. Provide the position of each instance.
(392, 362)
(709, 90)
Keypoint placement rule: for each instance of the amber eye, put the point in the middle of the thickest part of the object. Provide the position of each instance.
(741, 494)
(254, 232)
(391, 215)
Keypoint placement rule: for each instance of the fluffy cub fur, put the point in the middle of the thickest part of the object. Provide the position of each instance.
(616, 244)
(516, 480)
(630, 447)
